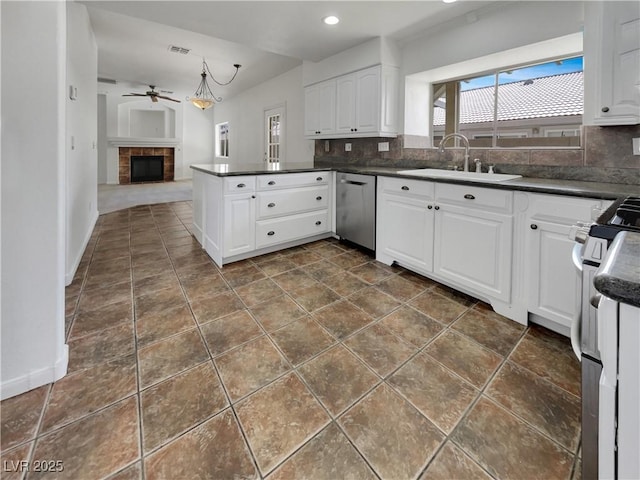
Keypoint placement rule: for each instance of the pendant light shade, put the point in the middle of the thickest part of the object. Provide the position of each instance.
(204, 98)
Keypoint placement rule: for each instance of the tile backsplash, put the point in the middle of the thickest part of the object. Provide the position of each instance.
(606, 156)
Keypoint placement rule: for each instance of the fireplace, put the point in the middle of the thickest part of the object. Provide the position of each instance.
(147, 168)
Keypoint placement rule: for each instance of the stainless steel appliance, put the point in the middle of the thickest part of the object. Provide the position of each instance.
(592, 243)
(356, 209)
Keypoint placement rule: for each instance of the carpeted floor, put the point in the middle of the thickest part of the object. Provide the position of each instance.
(117, 197)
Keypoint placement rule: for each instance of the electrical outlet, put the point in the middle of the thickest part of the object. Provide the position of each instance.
(636, 146)
(347, 147)
(383, 146)
(327, 146)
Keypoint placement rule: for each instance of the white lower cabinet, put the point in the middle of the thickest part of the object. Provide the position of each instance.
(550, 277)
(245, 216)
(239, 224)
(404, 222)
(456, 233)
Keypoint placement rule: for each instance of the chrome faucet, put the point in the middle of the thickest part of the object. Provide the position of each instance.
(464, 139)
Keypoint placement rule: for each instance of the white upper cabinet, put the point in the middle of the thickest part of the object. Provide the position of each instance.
(320, 108)
(364, 105)
(612, 63)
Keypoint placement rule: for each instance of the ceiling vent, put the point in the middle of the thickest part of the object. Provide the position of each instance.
(176, 49)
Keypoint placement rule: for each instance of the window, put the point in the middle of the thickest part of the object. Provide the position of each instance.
(222, 139)
(535, 105)
(274, 134)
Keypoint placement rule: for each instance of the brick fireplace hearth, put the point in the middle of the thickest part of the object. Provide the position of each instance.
(124, 165)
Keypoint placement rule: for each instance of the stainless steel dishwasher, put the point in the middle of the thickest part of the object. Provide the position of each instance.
(356, 208)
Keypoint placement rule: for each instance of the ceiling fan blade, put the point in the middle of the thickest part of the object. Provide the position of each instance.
(134, 95)
(168, 98)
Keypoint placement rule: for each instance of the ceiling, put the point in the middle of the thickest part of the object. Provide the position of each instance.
(266, 37)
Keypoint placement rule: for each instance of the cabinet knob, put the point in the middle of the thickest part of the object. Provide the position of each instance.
(241, 185)
(437, 207)
(468, 196)
(605, 109)
(429, 207)
(271, 233)
(318, 198)
(271, 205)
(318, 222)
(534, 226)
(319, 179)
(253, 196)
(404, 187)
(271, 182)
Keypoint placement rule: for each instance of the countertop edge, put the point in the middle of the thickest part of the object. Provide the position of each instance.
(619, 275)
(572, 188)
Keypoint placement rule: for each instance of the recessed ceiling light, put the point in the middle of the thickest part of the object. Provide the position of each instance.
(331, 20)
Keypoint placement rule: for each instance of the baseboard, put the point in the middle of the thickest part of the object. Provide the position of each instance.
(68, 278)
(37, 378)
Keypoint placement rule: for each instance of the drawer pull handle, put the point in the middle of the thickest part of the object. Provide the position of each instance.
(468, 196)
(271, 205)
(429, 207)
(318, 198)
(271, 233)
(437, 207)
(272, 182)
(404, 187)
(319, 179)
(534, 226)
(318, 222)
(241, 185)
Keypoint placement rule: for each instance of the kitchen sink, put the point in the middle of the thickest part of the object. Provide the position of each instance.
(460, 175)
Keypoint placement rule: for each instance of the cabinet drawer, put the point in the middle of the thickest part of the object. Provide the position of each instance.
(475, 197)
(406, 186)
(293, 200)
(293, 227)
(239, 184)
(286, 180)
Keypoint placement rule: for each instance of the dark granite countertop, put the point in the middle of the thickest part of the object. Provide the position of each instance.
(619, 275)
(601, 190)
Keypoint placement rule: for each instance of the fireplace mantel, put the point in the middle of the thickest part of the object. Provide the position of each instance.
(143, 142)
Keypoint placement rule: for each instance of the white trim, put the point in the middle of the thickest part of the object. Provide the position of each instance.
(36, 378)
(68, 278)
(143, 142)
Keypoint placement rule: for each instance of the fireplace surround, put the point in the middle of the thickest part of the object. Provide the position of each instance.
(125, 158)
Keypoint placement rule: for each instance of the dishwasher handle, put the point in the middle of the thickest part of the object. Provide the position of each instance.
(352, 182)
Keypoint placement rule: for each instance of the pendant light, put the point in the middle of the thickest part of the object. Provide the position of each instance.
(204, 97)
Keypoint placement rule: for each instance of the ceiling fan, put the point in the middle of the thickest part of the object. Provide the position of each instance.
(152, 94)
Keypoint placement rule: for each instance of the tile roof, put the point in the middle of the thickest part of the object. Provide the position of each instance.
(552, 96)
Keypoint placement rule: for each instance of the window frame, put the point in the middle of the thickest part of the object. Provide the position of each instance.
(218, 134)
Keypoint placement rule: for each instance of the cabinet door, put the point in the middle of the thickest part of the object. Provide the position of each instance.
(320, 108)
(367, 103)
(405, 231)
(239, 224)
(473, 249)
(619, 64)
(345, 104)
(553, 278)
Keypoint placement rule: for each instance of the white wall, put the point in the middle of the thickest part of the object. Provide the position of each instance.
(102, 139)
(81, 140)
(33, 350)
(245, 114)
(197, 138)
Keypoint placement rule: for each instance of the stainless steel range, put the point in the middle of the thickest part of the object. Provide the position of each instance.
(592, 243)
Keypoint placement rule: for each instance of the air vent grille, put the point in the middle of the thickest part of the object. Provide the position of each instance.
(176, 49)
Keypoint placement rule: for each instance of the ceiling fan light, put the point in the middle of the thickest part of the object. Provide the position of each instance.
(202, 103)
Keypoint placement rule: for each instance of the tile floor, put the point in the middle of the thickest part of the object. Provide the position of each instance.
(315, 362)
